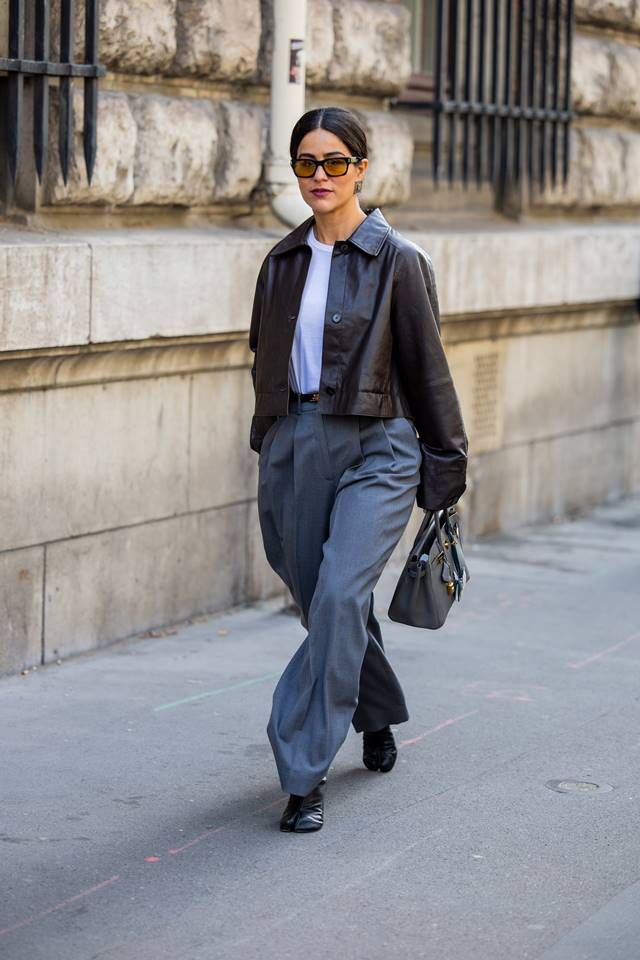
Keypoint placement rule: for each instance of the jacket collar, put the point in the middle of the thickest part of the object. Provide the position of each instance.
(368, 235)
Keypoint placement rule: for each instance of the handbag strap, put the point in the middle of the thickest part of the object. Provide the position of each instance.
(423, 532)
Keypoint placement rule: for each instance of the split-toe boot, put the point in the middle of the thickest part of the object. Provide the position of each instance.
(379, 750)
(304, 814)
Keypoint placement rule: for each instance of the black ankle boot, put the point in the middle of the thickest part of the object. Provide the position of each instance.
(304, 814)
(379, 750)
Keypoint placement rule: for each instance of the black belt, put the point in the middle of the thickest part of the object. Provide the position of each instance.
(303, 397)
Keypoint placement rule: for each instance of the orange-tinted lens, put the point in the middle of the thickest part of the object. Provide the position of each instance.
(336, 166)
(304, 168)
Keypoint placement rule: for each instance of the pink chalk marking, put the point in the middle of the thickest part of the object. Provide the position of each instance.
(192, 843)
(579, 664)
(439, 726)
(522, 695)
(474, 688)
(59, 906)
(208, 833)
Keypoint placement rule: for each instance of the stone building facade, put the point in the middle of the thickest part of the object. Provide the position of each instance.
(127, 488)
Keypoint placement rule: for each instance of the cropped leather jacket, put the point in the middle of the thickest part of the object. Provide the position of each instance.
(382, 354)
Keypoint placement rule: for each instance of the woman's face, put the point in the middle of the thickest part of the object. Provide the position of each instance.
(323, 193)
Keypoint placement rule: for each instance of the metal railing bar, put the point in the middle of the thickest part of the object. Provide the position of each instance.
(480, 123)
(495, 62)
(50, 68)
(41, 88)
(531, 89)
(505, 118)
(453, 86)
(494, 109)
(437, 117)
(90, 125)
(15, 87)
(544, 92)
(468, 48)
(65, 88)
(519, 124)
(567, 90)
(556, 90)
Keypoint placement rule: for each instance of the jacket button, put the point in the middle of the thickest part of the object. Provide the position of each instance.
(344, 247)
(335, 317)
(291, 317)
(330, 390)
(282, 389)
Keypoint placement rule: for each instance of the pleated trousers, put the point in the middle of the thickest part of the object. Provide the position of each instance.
(335, 493)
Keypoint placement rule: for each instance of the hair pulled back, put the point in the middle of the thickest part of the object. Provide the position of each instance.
(345, 124)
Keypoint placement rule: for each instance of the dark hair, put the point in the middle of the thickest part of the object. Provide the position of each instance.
(345, 124)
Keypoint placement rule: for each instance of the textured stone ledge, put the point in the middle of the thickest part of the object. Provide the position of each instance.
(547, 266)
(80, 458)
(102, 587)
(101, 287)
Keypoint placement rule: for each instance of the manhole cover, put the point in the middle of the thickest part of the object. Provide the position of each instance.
(578, 786)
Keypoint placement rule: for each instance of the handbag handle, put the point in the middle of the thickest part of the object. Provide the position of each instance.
(423, 529)
(448, 530)
(421, 535)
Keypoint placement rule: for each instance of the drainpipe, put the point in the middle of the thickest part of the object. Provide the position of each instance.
(287, 104)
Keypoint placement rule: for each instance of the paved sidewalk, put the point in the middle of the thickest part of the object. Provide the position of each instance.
(140, 803)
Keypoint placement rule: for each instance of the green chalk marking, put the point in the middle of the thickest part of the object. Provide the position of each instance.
(214, 693)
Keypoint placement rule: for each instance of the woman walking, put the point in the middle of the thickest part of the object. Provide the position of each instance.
(356, 417)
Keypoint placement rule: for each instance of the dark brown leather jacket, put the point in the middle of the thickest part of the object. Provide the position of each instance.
(382, 355)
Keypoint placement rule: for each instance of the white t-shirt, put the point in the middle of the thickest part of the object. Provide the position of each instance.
(306, 354)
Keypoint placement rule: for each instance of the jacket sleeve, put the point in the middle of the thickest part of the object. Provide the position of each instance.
(259, 424)
(426, 380)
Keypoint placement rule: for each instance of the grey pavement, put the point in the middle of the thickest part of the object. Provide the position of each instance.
(140, 803)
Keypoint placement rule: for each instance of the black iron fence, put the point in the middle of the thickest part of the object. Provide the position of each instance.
(16, 68)
(501, 90)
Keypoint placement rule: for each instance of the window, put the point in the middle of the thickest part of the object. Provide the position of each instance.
(422, 50)
(422, 26)
(495, 75)
(26, 73)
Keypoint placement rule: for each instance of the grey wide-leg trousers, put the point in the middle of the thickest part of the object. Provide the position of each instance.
(335, 493)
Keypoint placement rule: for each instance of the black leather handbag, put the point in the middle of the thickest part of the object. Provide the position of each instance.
(434, 574)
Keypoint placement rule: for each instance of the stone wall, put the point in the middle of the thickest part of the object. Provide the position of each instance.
(143, 499)
(127, 495)
(157, 150)
(183, 111)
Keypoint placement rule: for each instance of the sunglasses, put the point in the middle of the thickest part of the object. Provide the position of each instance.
(333, 166)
